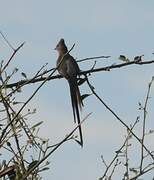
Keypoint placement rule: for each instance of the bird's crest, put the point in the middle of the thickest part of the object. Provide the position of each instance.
(61, 47)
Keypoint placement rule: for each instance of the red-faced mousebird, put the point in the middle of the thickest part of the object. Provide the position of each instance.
(69, 69)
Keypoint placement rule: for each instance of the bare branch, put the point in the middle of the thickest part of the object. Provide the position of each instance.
(92, 58)
(29, 99)
(13, 54)
(55, 148)
(118, 152)
(144, 123)
(117, 117)
(6, 40)
(107, 68)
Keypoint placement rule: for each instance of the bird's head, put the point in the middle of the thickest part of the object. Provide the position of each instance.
(61, 47)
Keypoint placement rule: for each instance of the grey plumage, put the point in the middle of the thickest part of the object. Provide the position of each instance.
(69, 69)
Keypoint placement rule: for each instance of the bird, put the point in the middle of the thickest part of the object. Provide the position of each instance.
(69, 69)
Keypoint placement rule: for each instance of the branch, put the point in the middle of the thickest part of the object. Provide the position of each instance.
(33, 94)
(54, 149)
(14, 131)
(92, 58)
(13, 54)
(144, 123)
(106, 68)
(10, 171)
(117, 152)
(6, 40)
(117, 117)
(143, 172)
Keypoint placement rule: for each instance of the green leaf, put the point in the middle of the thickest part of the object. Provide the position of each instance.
(124, 58)
(85, 96)
(44, 169)
(15, 70)
(18, 174)
(24, 75)
(8, 144)
(138, 58)
(81, 81)
(36, 125)
(16, 102)
(32, 164)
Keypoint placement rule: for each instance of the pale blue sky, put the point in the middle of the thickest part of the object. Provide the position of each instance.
(98, 27)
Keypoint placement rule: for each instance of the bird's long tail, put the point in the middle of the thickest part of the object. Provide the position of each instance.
(76, 104)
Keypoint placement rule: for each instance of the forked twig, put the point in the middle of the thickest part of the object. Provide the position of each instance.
(117, 117)
(54, 149)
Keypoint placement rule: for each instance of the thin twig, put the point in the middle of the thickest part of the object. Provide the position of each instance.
(144, 123)
(106, 68)
(117, 117)
(34, 93)
(13, 54)
(15, 135)
(26, 82)
(92, 58)
(114, 167)
(140, 174)
(54, 149)
(126, 155)
(6, 40)
(118, 152)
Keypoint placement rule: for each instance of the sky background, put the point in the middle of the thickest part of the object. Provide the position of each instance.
(97, 27)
